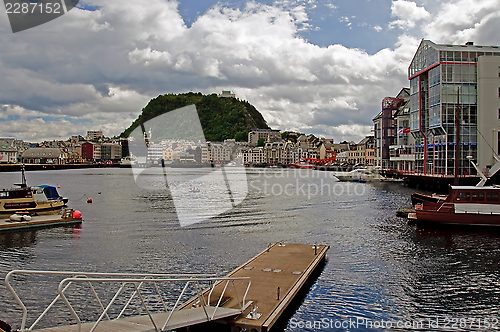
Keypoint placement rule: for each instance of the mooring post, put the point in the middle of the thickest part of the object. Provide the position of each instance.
(278, 293)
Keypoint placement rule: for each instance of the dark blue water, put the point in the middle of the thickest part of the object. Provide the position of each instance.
(381, 273)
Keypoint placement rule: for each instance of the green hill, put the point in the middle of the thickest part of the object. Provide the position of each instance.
(220, 118)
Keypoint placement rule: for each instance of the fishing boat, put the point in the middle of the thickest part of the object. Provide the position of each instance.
(39, 199)
(464, 205)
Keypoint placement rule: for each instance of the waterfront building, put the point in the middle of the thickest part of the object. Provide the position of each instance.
(402, 153)
(91, 152)
(269, 135)
(167, 153)
(155, 152)
(273, 152)
(442, 78)
(340, 147)
(219, 152)
(43, 156)
(8, 154)
(389, 130)
(342, 157)
(111, 152)
(364, 152)
(325, 150)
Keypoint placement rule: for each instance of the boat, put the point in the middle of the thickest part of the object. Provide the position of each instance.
(360, 175)
(464, 205)
(302, 165)
(39, 199)
(194, 190)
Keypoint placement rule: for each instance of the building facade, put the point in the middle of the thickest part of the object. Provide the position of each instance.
(269, 135)
(446, 80)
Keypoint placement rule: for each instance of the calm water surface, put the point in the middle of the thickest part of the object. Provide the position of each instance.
(379, 268)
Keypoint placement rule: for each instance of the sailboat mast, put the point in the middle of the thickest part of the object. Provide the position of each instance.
(456, 181)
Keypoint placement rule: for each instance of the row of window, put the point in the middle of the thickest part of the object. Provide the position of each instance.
(465, 196)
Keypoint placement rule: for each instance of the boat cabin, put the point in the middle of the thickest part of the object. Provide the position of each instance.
(485, 195)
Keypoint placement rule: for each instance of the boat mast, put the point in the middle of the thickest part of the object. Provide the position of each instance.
(457, 140)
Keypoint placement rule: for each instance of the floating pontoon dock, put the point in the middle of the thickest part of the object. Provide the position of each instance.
(251, 298)
(41, 221)
(277, 275)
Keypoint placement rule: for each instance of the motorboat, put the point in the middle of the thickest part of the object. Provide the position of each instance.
(464, 205)
(39, 199)
(359, 175)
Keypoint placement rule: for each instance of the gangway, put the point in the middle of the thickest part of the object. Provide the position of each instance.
(205, 308)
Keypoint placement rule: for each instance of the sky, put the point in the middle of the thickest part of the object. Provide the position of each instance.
(316, 67)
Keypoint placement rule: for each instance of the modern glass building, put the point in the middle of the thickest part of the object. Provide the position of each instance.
(442, 78)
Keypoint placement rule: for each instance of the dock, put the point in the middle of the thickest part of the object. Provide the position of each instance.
(277, 274)
(41, 221)
(250, 298)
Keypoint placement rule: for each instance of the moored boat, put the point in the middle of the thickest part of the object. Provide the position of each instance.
(40, 199)
(359, 175)
(302, 165)
(464, 205)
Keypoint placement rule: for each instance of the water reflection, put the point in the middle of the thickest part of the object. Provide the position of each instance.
(18, 239)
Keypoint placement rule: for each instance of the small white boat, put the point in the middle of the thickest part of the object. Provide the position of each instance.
(359, 175)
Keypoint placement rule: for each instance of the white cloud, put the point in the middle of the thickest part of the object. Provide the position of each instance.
(98, 69)
(465, 20)
(408, 14)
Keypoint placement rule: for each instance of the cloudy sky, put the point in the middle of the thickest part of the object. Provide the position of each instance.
(313, 66)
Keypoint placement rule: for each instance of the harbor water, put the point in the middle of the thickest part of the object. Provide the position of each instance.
(382, 274)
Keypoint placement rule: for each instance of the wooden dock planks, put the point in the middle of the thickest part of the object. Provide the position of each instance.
(285, 266)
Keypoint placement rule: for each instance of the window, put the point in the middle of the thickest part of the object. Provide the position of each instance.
(491, 197)
(478, 196)
(463, 196)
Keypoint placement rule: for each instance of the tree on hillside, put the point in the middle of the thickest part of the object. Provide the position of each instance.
(241, 136)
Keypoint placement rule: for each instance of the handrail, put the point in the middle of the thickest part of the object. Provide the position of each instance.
(124, 279)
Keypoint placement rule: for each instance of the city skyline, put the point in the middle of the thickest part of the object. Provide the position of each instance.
(315, 67)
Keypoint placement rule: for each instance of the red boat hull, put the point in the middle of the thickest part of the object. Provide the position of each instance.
(451, 218)
(302, 166)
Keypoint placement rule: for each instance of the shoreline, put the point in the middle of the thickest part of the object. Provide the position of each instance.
(42, 167)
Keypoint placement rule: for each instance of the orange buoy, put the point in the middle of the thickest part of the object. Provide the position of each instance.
(77, 214)
(89, 200)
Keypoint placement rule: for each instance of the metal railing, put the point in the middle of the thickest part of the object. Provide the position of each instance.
(137, 280)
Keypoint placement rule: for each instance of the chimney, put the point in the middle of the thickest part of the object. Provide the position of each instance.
(469, 43)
